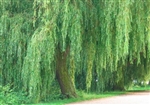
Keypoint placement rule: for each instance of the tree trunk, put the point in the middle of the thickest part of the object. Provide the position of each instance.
(63, 77)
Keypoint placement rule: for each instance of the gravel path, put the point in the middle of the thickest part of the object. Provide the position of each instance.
(129, 98)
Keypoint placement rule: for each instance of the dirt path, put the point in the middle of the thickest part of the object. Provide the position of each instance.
(129, 98)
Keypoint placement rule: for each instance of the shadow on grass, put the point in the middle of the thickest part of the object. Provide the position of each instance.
(138, 91)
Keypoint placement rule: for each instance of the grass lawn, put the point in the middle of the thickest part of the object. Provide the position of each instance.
(140, 88)
(87, 96)
(82, 96)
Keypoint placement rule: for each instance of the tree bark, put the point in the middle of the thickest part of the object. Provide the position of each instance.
(62, 75)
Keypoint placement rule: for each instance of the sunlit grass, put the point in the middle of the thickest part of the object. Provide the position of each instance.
(140, 88)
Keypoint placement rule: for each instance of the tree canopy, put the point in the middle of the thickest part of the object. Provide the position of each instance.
(98, 45)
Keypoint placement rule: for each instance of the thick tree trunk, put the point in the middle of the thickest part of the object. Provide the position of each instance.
(63, 77)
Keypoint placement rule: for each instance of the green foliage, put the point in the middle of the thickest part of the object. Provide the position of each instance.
(108, 41)
(9, 96)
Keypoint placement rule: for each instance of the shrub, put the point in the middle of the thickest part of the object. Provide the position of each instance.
(10, 97)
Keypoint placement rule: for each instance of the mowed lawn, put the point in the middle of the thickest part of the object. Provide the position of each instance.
(88, 96)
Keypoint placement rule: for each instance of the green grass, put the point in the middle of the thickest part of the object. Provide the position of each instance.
(140, 88)
(82, 97)
(87, 96)
(13, 97)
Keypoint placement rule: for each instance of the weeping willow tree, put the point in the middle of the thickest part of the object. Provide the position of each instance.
(94, 41)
